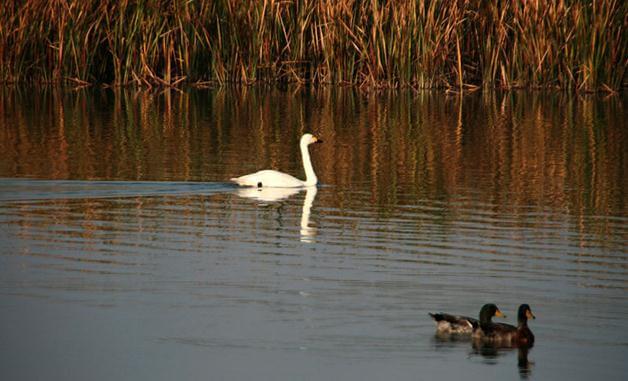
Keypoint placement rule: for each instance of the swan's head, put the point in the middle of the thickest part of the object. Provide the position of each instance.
(310, 139)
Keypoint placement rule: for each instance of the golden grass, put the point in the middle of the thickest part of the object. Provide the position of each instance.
(449, 44)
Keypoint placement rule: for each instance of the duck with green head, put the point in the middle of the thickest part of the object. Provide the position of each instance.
(506, 334)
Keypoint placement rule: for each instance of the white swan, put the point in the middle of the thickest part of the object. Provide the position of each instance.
(276, 179)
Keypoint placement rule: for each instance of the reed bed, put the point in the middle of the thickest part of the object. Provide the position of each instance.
(449, 44)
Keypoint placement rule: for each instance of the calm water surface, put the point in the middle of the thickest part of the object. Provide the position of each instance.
(125, 253)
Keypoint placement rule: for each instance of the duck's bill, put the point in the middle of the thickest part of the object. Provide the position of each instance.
(500, 314)
(530, 315)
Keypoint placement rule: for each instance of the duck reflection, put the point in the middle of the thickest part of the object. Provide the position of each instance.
(525, 366)
(268, 195)
(491, 352)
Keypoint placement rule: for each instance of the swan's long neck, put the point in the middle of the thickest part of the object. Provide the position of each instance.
(310, 176)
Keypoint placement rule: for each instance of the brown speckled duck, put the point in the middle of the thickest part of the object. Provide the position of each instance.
(447, 324)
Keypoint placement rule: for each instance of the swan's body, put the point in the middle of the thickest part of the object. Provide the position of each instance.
(276, 179)
(269, 178)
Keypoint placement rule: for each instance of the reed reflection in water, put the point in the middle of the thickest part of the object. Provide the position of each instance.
(124, 253)
(530, 149)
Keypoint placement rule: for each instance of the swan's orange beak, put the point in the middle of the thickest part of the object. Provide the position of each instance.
(317, 140)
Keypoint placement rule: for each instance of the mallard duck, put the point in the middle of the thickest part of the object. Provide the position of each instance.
(447, 324)
(506, 334)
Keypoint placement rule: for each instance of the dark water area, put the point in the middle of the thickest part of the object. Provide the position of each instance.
(125, 253)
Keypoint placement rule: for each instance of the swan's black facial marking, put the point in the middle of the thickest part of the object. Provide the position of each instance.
(259, 185)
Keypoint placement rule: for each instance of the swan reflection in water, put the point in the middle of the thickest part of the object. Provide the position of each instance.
(308, 233)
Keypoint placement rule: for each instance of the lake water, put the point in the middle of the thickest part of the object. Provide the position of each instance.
(125, 253)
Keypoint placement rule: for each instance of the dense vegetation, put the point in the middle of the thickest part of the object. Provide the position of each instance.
(423, 44)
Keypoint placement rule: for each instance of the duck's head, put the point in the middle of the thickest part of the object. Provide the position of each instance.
(524, 313)
(310, 139)
(488, 311)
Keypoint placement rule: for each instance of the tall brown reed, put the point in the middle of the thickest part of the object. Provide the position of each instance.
(451, 44)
